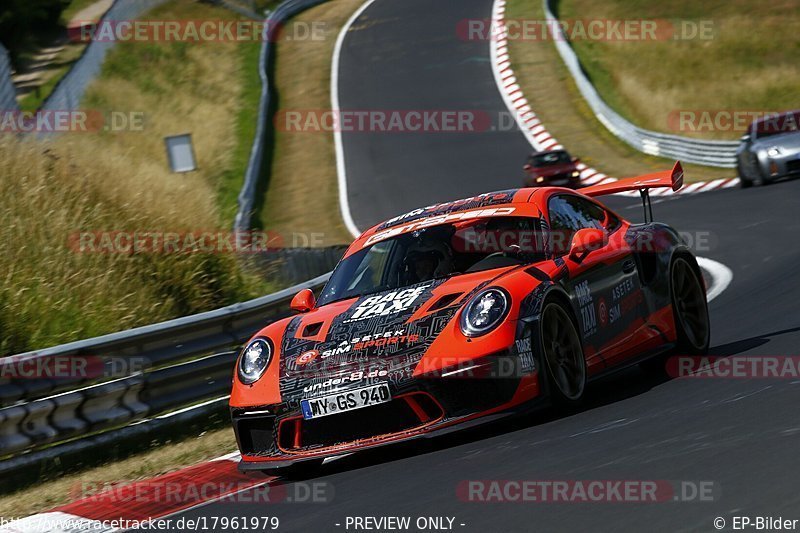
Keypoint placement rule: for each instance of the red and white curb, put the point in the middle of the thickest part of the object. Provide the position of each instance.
(120, 506)
(532, 127)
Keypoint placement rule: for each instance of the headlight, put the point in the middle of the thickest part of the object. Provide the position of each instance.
(774, 151)
(484, 312)
(575, 174)
(539, 179)
(254, 360)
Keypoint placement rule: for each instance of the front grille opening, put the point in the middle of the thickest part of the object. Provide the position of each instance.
(404, 413)
(255, 433)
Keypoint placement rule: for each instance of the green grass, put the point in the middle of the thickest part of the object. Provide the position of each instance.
(552, 94)
(749, 63)
(74, 7)
(230, 182)
(120, 181)
(34, 99)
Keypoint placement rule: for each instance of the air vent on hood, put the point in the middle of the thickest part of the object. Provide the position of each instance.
(312, 330)
(445, 300)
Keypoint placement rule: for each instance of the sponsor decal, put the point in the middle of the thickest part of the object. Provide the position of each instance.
(373, 340)
(586, 304)
(614, 314)
(622, 289)
(436, 220)
(342, 348)
(306, 357)
(387, 304)
(602, 312)
(525, 353)
(626, 299)
(352, 377)
(473, 202)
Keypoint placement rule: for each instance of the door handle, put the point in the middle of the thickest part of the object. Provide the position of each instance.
(628, 266)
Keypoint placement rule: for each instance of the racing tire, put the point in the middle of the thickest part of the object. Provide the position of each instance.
(744, 182)
(689, 307)
(563, 362)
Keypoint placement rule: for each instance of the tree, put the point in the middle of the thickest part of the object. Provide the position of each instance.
(22, 21)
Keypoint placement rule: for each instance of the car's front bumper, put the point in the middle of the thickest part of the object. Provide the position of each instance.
(277, 436)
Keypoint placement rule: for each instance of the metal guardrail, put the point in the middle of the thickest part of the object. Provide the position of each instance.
(244, 8)
(184, 365)
(8, 94)
(255, 167)
(702, 152)
(70, 89)
(183, 362)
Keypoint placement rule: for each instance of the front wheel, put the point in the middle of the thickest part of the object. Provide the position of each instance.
(689, 308)
(565, 366)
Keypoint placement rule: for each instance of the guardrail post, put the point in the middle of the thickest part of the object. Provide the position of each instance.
(11, 436)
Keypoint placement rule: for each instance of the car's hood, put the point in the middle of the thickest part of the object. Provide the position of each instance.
(382, 333)
(787, 140)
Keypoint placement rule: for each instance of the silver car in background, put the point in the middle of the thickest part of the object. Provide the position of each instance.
(770, 150)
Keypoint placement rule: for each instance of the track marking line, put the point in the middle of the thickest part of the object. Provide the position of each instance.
(721, 276)
(341, 168)
(535, 132)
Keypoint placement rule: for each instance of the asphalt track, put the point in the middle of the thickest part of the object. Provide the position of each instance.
(740, 434)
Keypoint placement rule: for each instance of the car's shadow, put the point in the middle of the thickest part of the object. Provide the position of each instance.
(615, 387)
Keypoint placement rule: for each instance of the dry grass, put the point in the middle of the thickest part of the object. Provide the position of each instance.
(555, 99)
(102, 182)
(750, 63)
(185, 87)
(50, 294)
(142, 466)
(119, 181)
(303, 192)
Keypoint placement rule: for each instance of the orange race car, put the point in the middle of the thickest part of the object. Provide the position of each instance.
(458, 312)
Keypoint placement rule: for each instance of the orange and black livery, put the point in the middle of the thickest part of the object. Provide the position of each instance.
(456, 313)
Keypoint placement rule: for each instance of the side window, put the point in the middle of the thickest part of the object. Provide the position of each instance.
(568, 214)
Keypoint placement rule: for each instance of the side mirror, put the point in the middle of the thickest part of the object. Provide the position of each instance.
(587, 240)
(576, 159)
(745, 138)
(527, 167)
(304, 301)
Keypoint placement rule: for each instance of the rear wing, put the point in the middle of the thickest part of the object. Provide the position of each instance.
(666, 178)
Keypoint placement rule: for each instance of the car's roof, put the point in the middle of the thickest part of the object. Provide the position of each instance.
(772, 116)
(524, 202)
(562, 150)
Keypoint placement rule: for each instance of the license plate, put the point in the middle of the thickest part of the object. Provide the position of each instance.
(348, 400)
(558, 182)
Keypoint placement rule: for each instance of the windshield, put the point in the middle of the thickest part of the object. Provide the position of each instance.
(776, 125)
(549, 159)
(435, 252)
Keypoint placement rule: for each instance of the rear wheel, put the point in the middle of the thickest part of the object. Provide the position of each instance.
(565, 366)
(689, 307)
